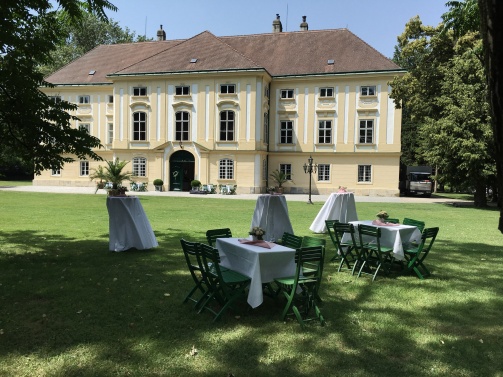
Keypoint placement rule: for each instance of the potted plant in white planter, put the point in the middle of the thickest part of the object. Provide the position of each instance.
(158, 184)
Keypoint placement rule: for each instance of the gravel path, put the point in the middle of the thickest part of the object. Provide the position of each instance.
(289, 197)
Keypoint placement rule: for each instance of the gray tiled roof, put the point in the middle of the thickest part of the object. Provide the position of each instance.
(280, 54)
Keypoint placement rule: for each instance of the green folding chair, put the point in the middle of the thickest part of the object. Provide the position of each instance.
(415, 256)
(349, 252)
(420, 224)
(330, 230)
(195, 265)
(302, 292)
(392, 220)
(374, 256)
(226, 286)
(213, 234)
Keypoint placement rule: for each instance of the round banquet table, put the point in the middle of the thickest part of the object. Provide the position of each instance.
(271, 214)
(339, 206)
(128, 224)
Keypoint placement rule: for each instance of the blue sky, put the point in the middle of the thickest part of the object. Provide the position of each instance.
(377, 22)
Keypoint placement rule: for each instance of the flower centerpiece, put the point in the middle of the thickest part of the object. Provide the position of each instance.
(342, 189)
(257, 233)
(382, 216)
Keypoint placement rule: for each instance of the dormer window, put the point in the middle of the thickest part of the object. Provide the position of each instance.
(139, 91)
(286, 93)
(227, 89)
(368, 91)
(182, 90)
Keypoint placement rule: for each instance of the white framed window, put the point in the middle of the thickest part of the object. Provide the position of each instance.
(139, 91)
(55, 99)
(287, 170)
(326, 92)
(227, 125)
(325, 132)
(110, 99)
(368, 90)
(110, 133)
(84, 168)
(266, 127)
(226, 169)
(85, 127)
(139, 166)
(56, 172)
(366, 131)
(228, 89)
(182, 125)
(323, 172)
(140, 125)
(286, 93)
(183, 90)
(84, 100)
(364, 173)
(286, 132)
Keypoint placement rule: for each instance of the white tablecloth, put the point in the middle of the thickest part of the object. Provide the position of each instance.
(271, 214)
(260, 264)
(339, 206)
(128, 224)
(391, 236)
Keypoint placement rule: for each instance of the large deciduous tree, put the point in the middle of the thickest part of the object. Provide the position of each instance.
(491, 12)
(83, 36)
(444, 93)
(31, 124)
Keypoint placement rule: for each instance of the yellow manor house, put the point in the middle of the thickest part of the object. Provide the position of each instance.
(231, 110)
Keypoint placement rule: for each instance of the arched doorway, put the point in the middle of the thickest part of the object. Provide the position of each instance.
(181, 171)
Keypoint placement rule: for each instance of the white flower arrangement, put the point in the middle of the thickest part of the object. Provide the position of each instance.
(383, 215)
(257, 232)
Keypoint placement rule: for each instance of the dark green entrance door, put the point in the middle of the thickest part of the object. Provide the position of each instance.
(181, 171)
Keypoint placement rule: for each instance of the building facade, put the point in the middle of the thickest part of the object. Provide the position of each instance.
(230, 110)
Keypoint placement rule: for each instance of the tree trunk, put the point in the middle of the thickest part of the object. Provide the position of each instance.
(491, 14)
(479, 197)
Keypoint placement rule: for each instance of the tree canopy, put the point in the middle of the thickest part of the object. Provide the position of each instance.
(32, 125)
(83, 36)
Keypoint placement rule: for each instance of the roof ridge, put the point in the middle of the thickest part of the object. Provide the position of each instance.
(283, 33)
(238, 52)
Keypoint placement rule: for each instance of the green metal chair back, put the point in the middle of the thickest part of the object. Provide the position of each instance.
(416, 255)
(302, 292)
(420, 224)
(290, 240)
(313, 241)
(213, 234)
(392, 220)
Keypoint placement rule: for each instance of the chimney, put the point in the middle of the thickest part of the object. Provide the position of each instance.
(276, 25)
(303, 25)
(161, 34)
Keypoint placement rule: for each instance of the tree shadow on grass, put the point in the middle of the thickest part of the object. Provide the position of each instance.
(60, 294)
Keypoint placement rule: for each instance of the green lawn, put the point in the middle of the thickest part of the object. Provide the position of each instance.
(15, 183)
(69, 307)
